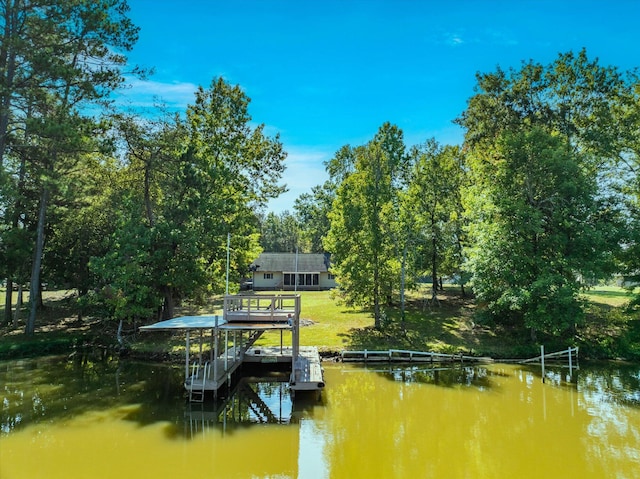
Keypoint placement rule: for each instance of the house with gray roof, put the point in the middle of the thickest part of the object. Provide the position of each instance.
(291, 271)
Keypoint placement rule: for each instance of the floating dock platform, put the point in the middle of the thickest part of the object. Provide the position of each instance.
(232, 337)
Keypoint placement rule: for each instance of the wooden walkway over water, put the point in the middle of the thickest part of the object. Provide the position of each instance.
(402, 355)
(569, 355)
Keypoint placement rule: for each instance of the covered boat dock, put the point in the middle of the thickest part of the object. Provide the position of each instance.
(232, 337)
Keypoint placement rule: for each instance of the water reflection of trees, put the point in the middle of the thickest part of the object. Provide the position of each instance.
(465, 429)
(444, 376)
(609, 382)
(607, 393)
(55, 389)
(619, 383)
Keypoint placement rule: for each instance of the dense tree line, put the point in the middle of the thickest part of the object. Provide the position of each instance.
(134, 210)
(540, 201)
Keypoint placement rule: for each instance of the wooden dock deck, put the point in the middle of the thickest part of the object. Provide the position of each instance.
(307, 373)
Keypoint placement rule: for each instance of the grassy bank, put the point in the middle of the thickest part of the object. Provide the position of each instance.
(445, 326)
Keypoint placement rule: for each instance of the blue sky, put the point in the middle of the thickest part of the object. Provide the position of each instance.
(327, 73)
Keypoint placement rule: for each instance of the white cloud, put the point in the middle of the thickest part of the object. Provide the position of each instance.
(147, 93)
(455, 39)
(488, 36)
(450, 38)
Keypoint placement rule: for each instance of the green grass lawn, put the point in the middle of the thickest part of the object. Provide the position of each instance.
(331, 322)
(443, 327)
(608, 295)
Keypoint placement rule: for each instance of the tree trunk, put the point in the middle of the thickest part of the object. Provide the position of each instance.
(434, 264)
(16, 316)
(169, 304)
(8, 68)
(147, 194)
(16, 222)
(119, 335)
(37, 262)
(402, 283)
(40, 300)
(8, 303)
(376, 298)
(459, 245)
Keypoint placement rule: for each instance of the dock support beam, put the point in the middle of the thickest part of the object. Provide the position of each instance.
(186, 362)
(570, 364)
(215, 355)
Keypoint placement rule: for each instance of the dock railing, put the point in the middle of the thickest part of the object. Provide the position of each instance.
(569, 354)
(406, 355)
(260, 307)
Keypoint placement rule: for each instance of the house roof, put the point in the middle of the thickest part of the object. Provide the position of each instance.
(307, 262)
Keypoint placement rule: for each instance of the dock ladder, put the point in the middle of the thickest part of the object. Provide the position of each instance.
(196, 388)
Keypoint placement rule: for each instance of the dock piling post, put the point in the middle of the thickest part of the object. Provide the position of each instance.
(570, 364)
(215, 355)
(226, 350)
(542, 360)
(186, 365)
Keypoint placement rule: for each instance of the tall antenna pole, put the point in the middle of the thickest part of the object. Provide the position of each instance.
(296, 281)
(228, 258)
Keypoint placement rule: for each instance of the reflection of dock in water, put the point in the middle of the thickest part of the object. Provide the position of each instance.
(251, 401)
(264, 405)
(231, 340)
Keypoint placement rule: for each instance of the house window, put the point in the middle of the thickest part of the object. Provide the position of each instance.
(330, 276)
(302, 279)
(268, 275)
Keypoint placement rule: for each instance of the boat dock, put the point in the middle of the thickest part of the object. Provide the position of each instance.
(231, 340)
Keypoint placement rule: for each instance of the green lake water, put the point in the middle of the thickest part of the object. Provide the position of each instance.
(91, 418)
